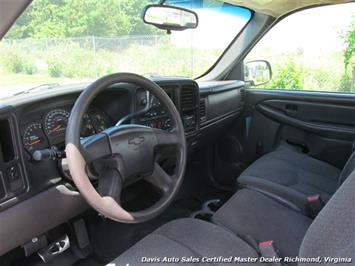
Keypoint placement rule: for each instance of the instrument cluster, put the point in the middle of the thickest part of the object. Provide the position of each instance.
(50, 130)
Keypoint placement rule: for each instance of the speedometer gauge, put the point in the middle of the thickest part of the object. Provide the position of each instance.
(33, 137)
(56, 122)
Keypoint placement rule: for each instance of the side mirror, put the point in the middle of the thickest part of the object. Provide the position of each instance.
(257, 72)
(170, 17)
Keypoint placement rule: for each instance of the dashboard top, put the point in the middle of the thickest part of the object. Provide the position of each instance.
(41, 94)
(205, 87)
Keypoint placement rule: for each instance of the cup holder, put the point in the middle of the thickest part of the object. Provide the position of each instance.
(208, 209)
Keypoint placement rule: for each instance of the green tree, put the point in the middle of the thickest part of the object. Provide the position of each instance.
(287, 76)
(68, 18)
(349, 52)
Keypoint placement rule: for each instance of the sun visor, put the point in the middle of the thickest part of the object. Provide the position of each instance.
(10, 10)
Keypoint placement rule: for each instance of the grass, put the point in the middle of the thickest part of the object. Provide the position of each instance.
(74, 62)
(11, 83)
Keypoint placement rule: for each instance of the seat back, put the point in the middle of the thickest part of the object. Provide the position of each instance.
(332, 233)
(348, 168)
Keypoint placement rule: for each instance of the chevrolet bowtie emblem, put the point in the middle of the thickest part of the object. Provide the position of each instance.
(136, 140)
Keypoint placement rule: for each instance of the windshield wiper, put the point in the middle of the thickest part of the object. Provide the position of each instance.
(42, 86)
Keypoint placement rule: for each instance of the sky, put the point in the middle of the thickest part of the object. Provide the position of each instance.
(215, 30)
(316, 29)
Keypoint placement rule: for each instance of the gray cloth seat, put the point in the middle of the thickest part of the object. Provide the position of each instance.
(251, 213)
(184, 238)
(331, 234)
(291, 176)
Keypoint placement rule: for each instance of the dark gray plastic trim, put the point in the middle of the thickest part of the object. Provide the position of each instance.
(37, 215)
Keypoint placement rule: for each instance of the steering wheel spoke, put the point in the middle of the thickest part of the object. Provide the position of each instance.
(110, 184)
(165, 137)
(96, 147)
(160, 179)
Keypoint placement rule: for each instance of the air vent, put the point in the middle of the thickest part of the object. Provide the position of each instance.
(203, 110)
(187, 97)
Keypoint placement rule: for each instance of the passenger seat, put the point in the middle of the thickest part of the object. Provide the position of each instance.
(295, 178)
(254, 216)
(283, 232)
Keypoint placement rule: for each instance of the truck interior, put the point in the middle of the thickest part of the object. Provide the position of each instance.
(237, 162)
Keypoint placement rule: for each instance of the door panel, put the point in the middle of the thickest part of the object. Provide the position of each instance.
(320, 124)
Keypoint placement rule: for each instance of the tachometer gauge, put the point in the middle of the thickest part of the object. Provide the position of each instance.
(56, 122)
(34, 138)
(87, 128)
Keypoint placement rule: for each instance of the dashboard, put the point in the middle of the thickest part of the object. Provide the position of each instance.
(39, 146)
(43, 125)
(39, 123)
(31, 189)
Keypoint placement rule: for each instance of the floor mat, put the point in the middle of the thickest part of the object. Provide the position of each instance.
(110, 239)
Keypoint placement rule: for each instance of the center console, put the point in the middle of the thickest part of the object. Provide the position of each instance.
(185, 96)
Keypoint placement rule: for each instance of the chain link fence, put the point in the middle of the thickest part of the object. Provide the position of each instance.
(96, 56)
(90, 42)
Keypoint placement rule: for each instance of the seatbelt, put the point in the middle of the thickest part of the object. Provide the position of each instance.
(268, 251)
(315, 205)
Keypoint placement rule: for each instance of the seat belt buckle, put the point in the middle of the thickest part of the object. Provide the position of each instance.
(267, 243)
(315, 205)
(267, 250)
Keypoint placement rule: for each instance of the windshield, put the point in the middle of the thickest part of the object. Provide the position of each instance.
(71, 41)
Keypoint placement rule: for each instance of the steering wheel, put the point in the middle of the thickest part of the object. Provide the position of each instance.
(125, 152)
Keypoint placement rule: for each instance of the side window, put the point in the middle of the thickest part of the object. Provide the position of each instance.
(310, 50)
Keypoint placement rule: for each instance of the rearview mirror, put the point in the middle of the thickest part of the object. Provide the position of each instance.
(257, 72)
(170, 17)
